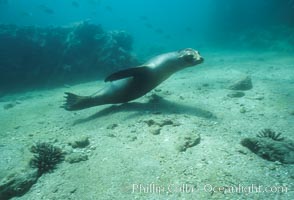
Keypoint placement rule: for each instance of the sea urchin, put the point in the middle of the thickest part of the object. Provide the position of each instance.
(46, 157)
(268, 133)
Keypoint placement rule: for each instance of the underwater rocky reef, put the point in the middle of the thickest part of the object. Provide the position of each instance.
(277, 38)
(46, 56)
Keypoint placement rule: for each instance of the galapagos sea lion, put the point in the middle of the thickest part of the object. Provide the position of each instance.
(132, 83)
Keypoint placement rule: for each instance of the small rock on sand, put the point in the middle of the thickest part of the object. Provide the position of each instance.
(236, 94)
(187, 140)
(80, 142)
(76, 157)
(9, 106)
(242, 84)
(155, 130)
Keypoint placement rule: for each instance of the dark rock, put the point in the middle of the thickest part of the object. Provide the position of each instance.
(272, 150)
(112, 126)
(161, 123)
(18, 184)
(9, 106)
(165, 122)
(242, 84)
(150, 122)
(243, 110)
(236, 94)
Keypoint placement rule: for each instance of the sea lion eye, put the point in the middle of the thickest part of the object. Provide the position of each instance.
(189, 57)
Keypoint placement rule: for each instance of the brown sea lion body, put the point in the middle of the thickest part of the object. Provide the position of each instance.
(132, 83)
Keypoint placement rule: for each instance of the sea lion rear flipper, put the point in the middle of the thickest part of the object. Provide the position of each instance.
(76, 102)
(131, 72)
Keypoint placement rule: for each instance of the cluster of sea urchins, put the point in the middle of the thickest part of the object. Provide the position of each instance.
(46, 157)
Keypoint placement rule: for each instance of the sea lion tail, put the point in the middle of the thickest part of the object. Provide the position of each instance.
(76, 102)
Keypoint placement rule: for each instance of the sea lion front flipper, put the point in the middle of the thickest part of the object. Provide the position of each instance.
(131, 72)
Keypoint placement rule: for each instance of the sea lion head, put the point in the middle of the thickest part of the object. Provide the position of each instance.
(190, 57)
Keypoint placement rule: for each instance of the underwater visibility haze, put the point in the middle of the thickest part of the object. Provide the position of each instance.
(146, 99)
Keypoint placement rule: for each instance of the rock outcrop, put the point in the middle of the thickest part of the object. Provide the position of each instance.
(35, 56)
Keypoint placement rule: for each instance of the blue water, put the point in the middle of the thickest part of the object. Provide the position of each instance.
(176, 23)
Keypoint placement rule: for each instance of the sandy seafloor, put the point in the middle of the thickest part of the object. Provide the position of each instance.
(124, 152)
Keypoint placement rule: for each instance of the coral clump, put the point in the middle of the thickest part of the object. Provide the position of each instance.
(46, 157)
